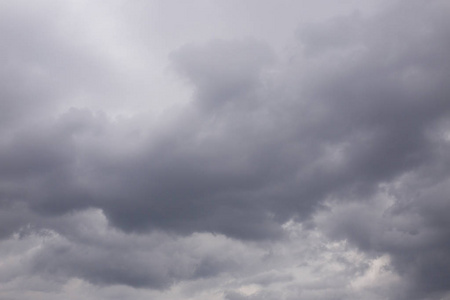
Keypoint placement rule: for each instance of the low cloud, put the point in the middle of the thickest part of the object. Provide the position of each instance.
(345, 136)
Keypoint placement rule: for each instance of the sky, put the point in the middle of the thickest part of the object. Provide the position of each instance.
(225, 150)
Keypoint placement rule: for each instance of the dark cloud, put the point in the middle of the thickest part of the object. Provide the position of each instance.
(357, 125)
(412, 231)
(348, 135)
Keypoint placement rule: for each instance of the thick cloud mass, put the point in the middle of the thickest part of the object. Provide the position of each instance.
(320, 172)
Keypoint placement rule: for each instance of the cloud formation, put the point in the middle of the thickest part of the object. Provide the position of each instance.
(317, 172)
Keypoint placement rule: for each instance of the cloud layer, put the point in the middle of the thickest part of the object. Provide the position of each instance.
(320, 172)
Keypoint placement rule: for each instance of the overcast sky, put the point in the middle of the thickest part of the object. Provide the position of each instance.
(225, 150)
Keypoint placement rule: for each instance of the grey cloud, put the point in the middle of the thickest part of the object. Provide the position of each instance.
(414, 148)
(412, 231)
(244, 168)
(85, 247)
(238, 296)
(223, 71)
(13, 218)
(46, 66)
(271, 277)
(364, 120)
(360, 108)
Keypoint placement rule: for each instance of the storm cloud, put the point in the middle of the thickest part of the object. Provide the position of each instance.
(315, 170)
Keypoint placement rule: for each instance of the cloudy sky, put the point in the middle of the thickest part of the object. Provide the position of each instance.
(225, 150)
